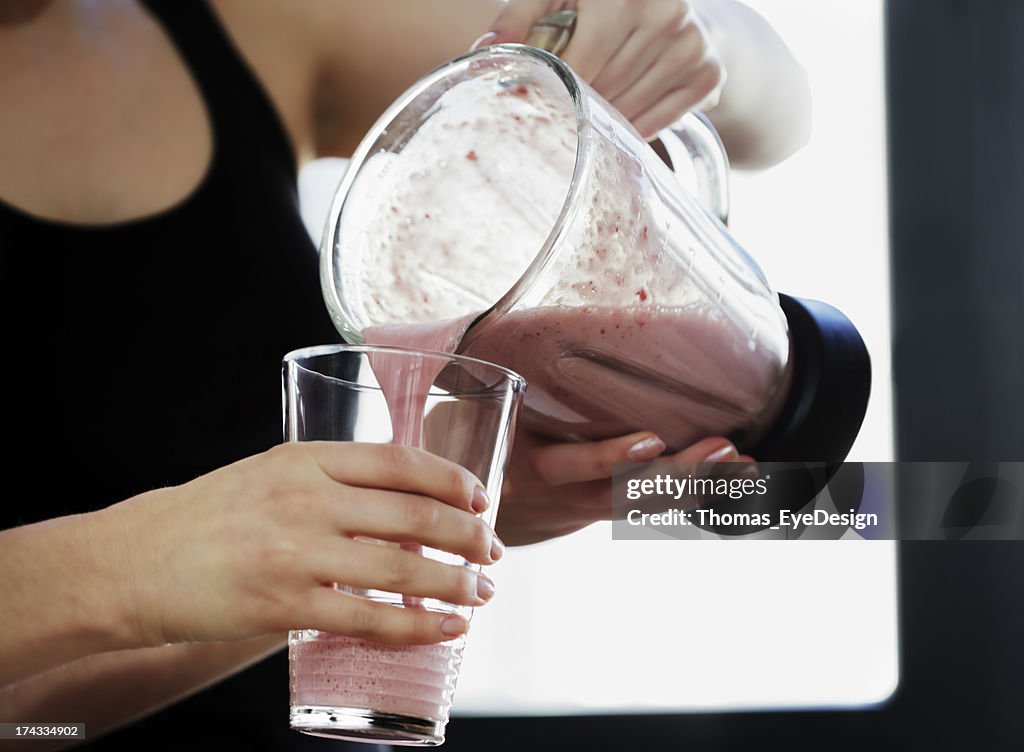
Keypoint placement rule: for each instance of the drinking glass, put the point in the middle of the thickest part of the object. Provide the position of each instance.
(456, 407)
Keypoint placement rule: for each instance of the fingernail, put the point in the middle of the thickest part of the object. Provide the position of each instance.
(480, 501)
(453, 626)
(484, 587)
(497, 548)
(646, 449)
(723, 454)
(483, 39)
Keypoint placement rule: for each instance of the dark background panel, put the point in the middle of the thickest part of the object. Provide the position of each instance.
(956, 149)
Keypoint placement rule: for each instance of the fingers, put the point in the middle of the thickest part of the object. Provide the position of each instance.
(710, 451)
(398, 468)
(560, 464)
(407, 518)
(337, 612)
(653, 60)
(557, 489)
(378, 566)
(600, 33)
(632, 62)
(659, 22)
(513, 24)
(670, 107)
(714, 449)
(686, 61)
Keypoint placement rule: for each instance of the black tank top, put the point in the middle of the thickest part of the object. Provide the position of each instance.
(145, 353)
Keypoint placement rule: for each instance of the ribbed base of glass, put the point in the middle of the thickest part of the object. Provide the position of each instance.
(361, 725)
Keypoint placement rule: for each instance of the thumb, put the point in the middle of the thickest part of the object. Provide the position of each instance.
(513, 24)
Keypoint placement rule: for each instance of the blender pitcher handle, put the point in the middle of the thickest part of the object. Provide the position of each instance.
(694, 139)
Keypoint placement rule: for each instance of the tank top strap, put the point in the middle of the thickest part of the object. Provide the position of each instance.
(243, 115)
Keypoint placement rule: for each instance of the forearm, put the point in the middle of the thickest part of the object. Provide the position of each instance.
(106, 691)
(61, 596)
(764, 113)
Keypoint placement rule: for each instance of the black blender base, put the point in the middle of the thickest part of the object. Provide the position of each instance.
(831, 381)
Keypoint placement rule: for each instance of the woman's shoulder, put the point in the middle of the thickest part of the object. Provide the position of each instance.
(332, 66)
(281, 44)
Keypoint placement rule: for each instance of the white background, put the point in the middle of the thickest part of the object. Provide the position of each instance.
(585, 624)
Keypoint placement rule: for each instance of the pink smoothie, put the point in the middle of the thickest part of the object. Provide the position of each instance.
(342, 672)
(596, 373)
